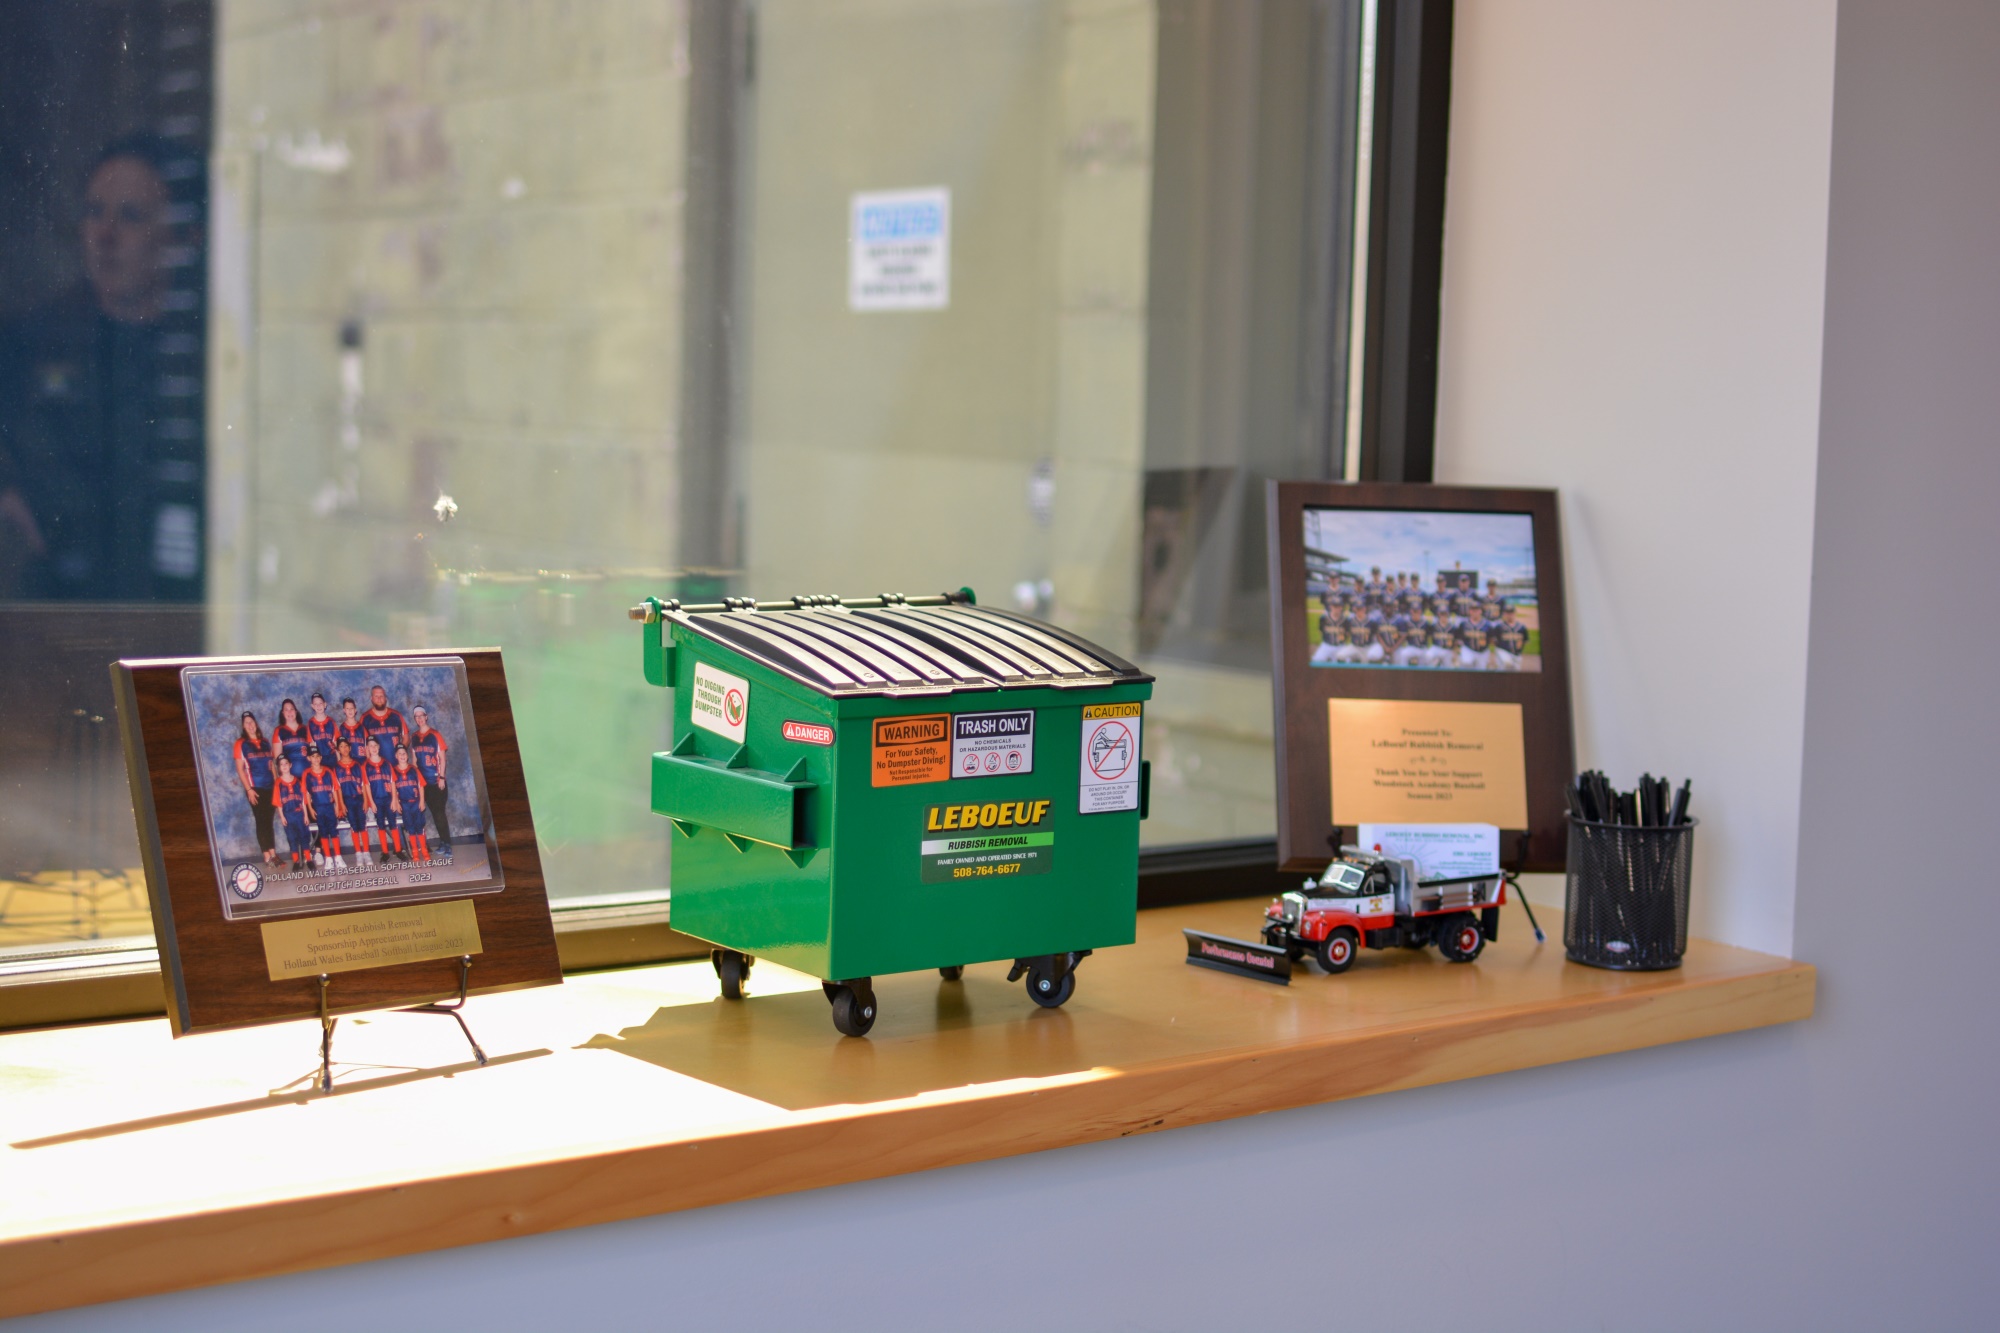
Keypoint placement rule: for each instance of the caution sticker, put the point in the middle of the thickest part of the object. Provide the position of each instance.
(1108, 778)
(721, 702)
(993, 745)
(911, 749)
(985, 840)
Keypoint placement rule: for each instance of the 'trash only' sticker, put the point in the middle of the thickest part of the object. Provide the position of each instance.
(721, 702)
(993, 745)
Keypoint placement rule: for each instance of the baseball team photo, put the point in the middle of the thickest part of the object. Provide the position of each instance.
(344, 784)
(1421, 590)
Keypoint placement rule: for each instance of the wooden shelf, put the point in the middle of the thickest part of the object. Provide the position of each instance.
(131, 1164)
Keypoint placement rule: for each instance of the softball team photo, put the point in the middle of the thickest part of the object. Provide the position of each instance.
(1421, 590)
(341, 784)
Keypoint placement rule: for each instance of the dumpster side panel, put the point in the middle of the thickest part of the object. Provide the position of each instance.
(1061, 880)
(748, 895)
(753, 900)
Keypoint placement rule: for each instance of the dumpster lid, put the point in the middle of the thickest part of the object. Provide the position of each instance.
(897, 645)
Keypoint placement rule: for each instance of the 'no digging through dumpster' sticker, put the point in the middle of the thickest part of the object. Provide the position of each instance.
(721, 702)
(1108, 778)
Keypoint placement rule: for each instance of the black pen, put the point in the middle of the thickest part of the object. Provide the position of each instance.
(1680, 814)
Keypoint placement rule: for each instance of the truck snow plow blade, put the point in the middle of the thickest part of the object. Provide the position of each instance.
(1240, 956)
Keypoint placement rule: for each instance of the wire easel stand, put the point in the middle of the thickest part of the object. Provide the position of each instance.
(454, 1009)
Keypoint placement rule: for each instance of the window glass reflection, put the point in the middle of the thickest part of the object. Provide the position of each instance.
(329, 326)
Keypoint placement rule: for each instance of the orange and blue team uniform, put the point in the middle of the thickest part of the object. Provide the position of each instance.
(356, 737)
(354, 798)
(386, 728)
(380, 780)
(291, 743)
(324, 788)
(321, 731)
(410, 795)
(427, 752)
(255, 756)
(289, 795)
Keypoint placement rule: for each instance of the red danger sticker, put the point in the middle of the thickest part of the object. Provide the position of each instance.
(809, 732)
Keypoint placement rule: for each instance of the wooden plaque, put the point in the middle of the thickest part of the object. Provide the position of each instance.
(1414, 524)
(481, 892)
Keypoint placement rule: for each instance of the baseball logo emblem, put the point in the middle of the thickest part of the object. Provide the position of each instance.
(247, 880)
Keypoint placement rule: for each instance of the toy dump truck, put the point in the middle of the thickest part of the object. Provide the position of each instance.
(1364, 899)
(861, 786)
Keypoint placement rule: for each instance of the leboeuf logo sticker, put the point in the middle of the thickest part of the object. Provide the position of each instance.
(720, 702)
(985, 814)
(985, 839)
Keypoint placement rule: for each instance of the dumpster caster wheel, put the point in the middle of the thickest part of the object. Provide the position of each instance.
(853, 1009)
(952, 973)
(1046, 991)
(732, 969)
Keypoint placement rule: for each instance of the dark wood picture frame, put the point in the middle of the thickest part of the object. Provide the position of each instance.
(214, 969)
(1299, 692)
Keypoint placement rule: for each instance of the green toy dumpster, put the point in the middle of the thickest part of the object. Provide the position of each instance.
(862, 786)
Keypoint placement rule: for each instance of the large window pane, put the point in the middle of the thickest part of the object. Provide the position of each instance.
(472, 323)
(1145, 320)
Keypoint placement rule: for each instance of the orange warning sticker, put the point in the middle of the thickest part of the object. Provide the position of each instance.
(912, 749)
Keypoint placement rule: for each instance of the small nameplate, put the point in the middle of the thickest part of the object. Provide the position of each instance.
(351, 941)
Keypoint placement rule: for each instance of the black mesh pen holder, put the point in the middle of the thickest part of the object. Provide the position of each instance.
(1627, 895)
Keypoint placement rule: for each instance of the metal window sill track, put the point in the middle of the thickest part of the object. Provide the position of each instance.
(132, 1165)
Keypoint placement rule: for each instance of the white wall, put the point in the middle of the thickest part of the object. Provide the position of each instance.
(1829, 1175)
(1635, 249)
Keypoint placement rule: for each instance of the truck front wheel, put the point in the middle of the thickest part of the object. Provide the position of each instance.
(1459, 938)
(1336, 952)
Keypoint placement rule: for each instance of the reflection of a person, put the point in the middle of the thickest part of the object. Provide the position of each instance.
(100, 411)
